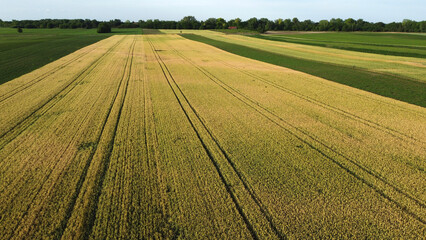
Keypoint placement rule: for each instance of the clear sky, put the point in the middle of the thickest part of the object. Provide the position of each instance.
(369, 10)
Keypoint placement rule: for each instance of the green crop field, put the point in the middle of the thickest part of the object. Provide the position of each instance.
(406, 67)
(21, 53)
(162, 136)
(398, 44)
(395, 77)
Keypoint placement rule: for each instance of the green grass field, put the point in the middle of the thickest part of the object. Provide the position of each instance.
(396, 87)
(21, 53)
(397, 44)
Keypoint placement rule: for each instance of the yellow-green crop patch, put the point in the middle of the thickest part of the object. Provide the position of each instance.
(397, 86)
(397, 44)
(413, 68)
(158, 136)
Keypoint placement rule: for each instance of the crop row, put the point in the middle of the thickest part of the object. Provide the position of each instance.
(158, 136)
(314, 131)
(44, 157)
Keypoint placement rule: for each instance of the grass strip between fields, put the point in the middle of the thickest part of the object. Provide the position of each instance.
(346, 46)
(391, 86)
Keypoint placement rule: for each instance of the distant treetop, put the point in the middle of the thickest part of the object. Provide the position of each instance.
(255, 24)
(104, 28)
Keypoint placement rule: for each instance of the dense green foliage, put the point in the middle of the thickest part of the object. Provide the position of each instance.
(104, 28)
(386, 85)
(254, 24)
(409, 45)
(52, 23)
(264, 24)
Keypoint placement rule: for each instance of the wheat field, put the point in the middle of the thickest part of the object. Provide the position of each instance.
(160, 137)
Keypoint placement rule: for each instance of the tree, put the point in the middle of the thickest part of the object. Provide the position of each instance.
(237, 22)
(252, 23)
(231, 23)
(378, 27)
(410, 26)
(308, 25)
(149, 24)
(104, 28)
(115, 22)
(220, 23)
(422, 26)
(94, 23)
(210, 23)
(393, 27)
(279, 24)
(360, 25)
(323, 25)
(156, 24)
(287, 24)
(336, 24)
(296, 24)
(189, 22)
(349, 25)
(263, 25)
(269, 25)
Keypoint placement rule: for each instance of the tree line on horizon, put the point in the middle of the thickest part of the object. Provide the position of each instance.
(253, 24)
